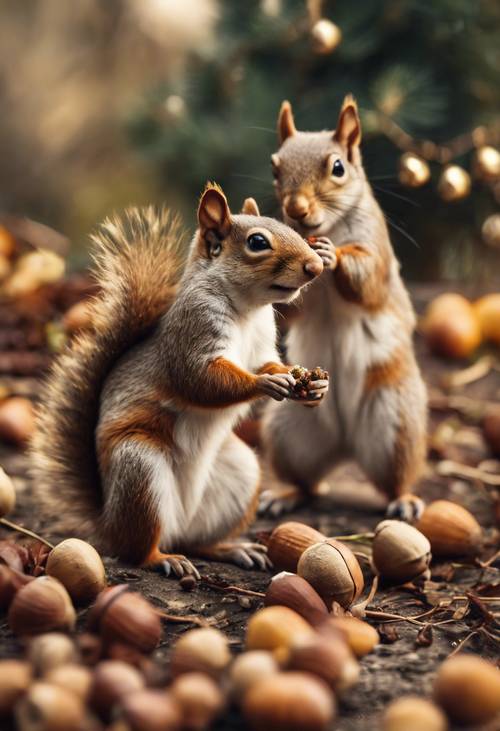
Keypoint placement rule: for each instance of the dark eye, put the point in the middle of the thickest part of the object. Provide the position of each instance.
(258, 242)
(338, 169)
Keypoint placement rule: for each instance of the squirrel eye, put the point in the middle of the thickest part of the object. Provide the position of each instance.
(338, 169)
(257, 242)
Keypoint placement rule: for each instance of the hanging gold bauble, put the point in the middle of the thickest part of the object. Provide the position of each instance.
(413, 170)
(486, 164)
(454, 183)
(325, 36)
(490, 231)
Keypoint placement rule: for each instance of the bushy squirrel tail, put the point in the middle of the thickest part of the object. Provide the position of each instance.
(138, 262)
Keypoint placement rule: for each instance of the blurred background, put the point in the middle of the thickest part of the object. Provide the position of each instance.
(125, 102)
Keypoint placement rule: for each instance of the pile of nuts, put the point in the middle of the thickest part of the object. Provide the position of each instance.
(304, 378)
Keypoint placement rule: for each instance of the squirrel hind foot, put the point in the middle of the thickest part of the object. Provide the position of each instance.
(244, 554)
(407, 507)
(276, 501)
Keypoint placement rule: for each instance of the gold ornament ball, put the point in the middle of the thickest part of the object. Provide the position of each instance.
(490, 231)
(487, 163)
(454, 183)
(326, 36)
(413, 170)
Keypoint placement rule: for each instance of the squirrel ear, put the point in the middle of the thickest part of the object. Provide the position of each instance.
(348, 131)
(250, 207)
(286, 124)
(213, 211)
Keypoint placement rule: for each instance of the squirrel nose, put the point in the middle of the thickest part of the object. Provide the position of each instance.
(313, 267)
(297, 207)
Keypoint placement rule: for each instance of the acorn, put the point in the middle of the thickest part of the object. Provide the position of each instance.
(288, 542)
(200, 700)
(78, 317)
(125, 616)
(77, 679)
(296, 593)
(491, 428)
(47, 707)
(248, 668)
(17, 421)
(15, 679)
(275, 627)
(360, 636)
(203, 650)
(400, 552)
(487, 310)
(41, 606)
(50, 650)
(7, 494)
(79, 568)
(468, 688)
(327, 656)
(451, 326)
(112, 679)
(451, 529)
(412, 713)
(289, 702)
(333, 570)
(151, 710)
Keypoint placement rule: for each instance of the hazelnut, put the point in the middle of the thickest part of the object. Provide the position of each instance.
(17, 421)
(10, 583)
(248, 668)
(47, 707)
(333, 570)
(468, 688)
(451, 326)
(411, 713)
(79, 568)
(288, 542)
(151, 710)
(41, 606)
(451, 529)
(112, 679)
(15, 678)
(77, 679)
(296, 593)
(487, 310)
(360, 636)
(326, 656)
(400, 551)
(491, 429)
(199, 698)
(202, 650)
(50, 650)
(275, 627)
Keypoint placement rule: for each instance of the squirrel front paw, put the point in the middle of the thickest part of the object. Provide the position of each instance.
(310, 386)
(277, 385)
(325, 250)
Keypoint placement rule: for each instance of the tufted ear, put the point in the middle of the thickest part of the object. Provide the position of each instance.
(213, 212)
(348, 132)
(250, 207)
(286, 124)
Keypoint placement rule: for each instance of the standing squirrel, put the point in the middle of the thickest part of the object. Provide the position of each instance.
(135, 446)
(356, 320)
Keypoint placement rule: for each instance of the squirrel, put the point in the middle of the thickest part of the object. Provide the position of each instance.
(357, 320)
(134, 447)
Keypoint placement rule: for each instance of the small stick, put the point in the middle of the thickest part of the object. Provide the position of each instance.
(473, 373)
(492, 559)
(462, 643)
(355, 537)
(448, 468)
(187, 619)
(231, 588)
(383, 616)
(25, 531)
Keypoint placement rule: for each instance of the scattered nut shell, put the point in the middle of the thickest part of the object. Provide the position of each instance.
(275, 627)
(7, 494)
(294, 592)
(15, 678)
(451, 326)
(248, 668)
(289, 702)
(411, 713)
(202, 650)
(360, 636)
(151, 710)
(79, 568)
(17, 421)
(400, 551)
(112, 679)
(333, 570)
(41, 606)
(50, 650)
(451, 529)
(200, 700)
(47, 707)
(288, 542)
(77, 679)
(326, 656)
(468, 688)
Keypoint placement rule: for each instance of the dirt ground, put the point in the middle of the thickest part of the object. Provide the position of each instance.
(402, 663)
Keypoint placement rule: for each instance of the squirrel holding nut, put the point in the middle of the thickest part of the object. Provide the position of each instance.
(356, 320)
(135, 446)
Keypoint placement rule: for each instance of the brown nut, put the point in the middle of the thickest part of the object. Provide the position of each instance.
(77, 679)
(487, 310)
(333, 570)
(400, 551)
(202, 650)
(451, 326)
(275, 627)
(491, 429)
(47, 707)
(289, 702)
(50, 650)
(412, 713)
(248, 668)
(17, 421)
(288, 542)
(451, 529)
(7, 494)
(111, 681)
(125, 616)
(41, 606)
(10, 583)
(151, 710)
(468, 688)
(15, 679)
(326, 656)
(360, 636)
(200, 700)
(294, 592)
(79, 568)
(90, 648)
